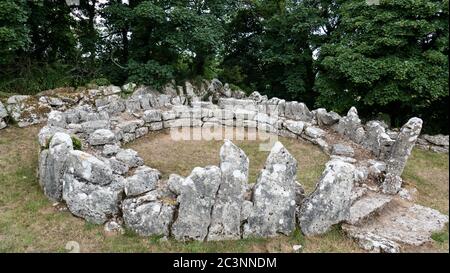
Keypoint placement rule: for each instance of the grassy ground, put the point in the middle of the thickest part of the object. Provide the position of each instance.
(29, 222)
(161, 152)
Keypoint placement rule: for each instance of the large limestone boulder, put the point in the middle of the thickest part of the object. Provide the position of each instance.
(350, 126)
(52, 165)
(377, 140)
(102, 137)
(143, 180)
(326, 118)
(297, 111)
(3, 115)
(89, 168)
(330, 202)
(401, 224)
(274, 196)
(90, 189)
(147, 215)
(198, 193)
(399, 154)
(226, 213)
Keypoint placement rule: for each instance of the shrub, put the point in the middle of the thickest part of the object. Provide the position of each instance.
(77, 145)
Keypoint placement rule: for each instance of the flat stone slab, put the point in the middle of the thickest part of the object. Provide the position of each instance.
(402, 223)
(367, 206)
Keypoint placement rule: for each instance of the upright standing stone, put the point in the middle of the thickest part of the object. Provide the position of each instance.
(198, 192)
(399, 155)
(350, 126)
(226, 214)
(330, 202)
(52, 165)
(274, 196)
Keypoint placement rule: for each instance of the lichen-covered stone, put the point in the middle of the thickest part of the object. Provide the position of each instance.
(143, 180)
(102, 137)
(52, 164)
(331, 200)
(297, 111)
(226, 213)
(274, 196)
(130, 157)
(147, 216)
(399, 154)
(196, 202)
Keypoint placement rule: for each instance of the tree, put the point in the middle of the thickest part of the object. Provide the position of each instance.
(389, 58)
(268, 49)
(14, 33)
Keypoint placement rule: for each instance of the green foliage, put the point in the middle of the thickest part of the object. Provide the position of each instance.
(100, 82)
(77, 145)
(13, 30)
(151, 73)
(390, 58)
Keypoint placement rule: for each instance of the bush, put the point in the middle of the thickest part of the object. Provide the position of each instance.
(77, 145)
(100, 82)
(151, 73)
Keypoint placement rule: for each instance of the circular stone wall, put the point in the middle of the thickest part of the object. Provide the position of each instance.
(84, 164)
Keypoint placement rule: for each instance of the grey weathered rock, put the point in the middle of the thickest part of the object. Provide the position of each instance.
(256, 96)
(314, 132)
(196, 202)
(91, 126)
(130, 157)
(376, 167)
(129, 87)
(350, 126)
(175, 184)
(113, 227)
(330, 202)
(102, 137)
(367, 206)
(113, 104)
(47, 132)
(133, 105)
(274, 196)
(52, 164)
(152, 116)
(376, 140)
(110, 150)
(372, 242)
(93, 202)
(110, 90)
(143, 180)
(233, 104)
(155, 126)
(326, 118)
(399, 154)
(118, 167)
(403, 223)
(342, 150)
(129, 126)
(226, 213)
(439, 140)
(3, 112)
(3, 115)
(89, 168)
(56, 118)
(293, 126)
(297, 111)
(146, 215)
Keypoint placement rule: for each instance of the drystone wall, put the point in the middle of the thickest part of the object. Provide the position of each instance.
(83, 165)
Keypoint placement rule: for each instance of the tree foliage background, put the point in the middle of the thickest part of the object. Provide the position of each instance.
(389, 58)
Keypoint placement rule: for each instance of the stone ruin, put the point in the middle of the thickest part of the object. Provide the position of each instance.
(83, 165)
